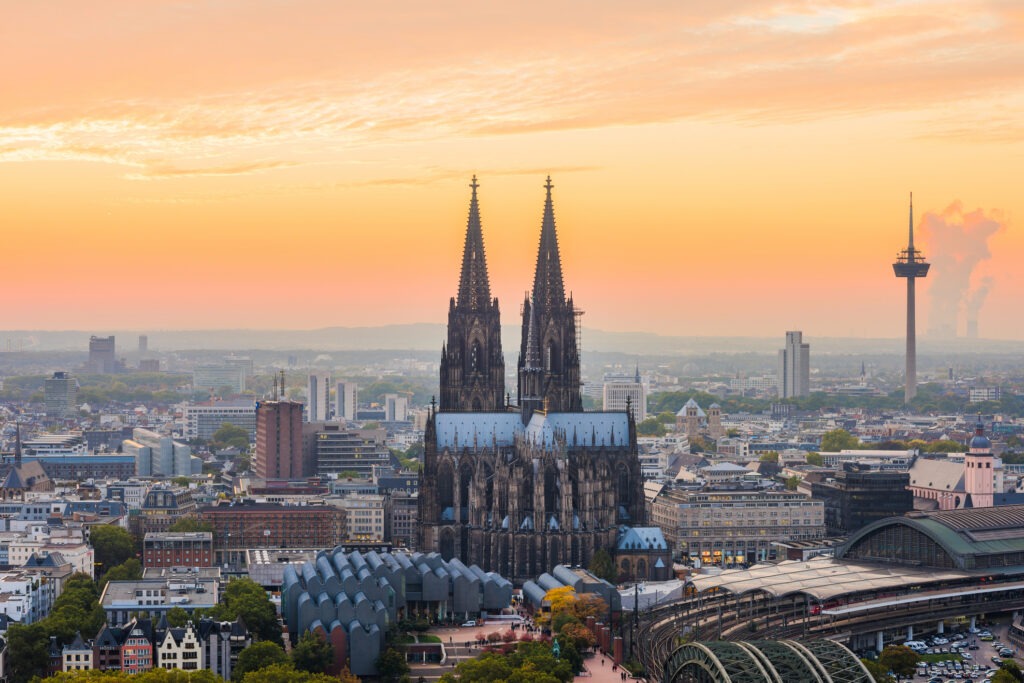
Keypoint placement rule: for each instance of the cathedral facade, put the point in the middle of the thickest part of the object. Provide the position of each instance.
(518, 487)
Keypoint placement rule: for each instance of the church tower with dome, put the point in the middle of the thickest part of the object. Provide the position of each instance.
(978, 473)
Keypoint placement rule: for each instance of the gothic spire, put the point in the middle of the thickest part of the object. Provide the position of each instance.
(474, 285)
(533, 340)
(548, 289)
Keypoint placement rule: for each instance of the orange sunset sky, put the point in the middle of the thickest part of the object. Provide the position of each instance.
(721, 168)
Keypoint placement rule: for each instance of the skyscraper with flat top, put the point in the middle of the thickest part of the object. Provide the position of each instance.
(278, 440)
(910, 265)
(794, 367)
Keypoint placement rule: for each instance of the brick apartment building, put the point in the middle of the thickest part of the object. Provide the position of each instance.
(246, 524)
(178, 549)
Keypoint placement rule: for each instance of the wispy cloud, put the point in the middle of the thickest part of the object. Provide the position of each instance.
(784, 62)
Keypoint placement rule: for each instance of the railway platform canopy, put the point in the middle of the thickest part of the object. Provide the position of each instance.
(768, 661)
(823, 578)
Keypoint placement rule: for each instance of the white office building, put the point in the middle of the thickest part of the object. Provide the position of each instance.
(318, 397)
(794, 367)
(346, 397)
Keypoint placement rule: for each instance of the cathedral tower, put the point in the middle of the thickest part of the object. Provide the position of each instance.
(472, 364)
(549, 359)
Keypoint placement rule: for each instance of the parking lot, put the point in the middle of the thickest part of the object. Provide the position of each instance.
(972, 657)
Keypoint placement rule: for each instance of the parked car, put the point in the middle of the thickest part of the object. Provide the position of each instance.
(471, 622)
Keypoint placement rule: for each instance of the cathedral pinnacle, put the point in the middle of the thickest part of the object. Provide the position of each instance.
(474, 284)
(548, 288)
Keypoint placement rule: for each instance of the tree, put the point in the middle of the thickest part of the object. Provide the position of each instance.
(129, 570)
(899, 659)
(244, 598)
(792, 483)
(1004, 676)
(313, 653)
(603, 566)
(815, 459)
(581, 636)
(945, 446)
(392, 665)
(1011, 667)
(230, 435)
(27, 651)
(259, 656)
(650, 427)
(190, 525)
(838, 440)
(877, 671)
(177, 617)
(769, 456)
(286, 673)
(112, 545)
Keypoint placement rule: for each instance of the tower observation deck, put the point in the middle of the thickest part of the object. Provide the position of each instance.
(910, 264)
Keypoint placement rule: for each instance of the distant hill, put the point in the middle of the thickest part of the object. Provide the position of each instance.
(429, 337)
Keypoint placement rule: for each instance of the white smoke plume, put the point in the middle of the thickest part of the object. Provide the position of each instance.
(957, 243)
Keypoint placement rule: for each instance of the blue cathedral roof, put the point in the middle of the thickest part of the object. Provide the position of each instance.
(461, 430)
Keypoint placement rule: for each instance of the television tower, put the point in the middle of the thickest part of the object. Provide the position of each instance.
(910, 264)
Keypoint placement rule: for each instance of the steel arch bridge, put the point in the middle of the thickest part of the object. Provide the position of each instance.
(764, 661)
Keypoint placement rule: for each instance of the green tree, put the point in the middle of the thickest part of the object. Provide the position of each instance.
(230, 435)
(769, 456)
(190, 525)
(177, 617)
(246, 599)
(877, 671)
(792, 483)
(392, 665)
(945, 446)
(899, 659)
(1013, 669)
(666, 417)
(603, 566)
(259, 656)
(26, 651)
(313, 653)
(815, 459)
(129, 570)
(650, 427)
(839, 440)
(112, 545)
(286, 673)
(1003, 676)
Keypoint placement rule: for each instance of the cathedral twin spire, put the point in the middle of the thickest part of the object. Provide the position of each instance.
(472, 365)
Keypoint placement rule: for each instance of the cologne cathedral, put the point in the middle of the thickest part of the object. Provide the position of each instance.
(519, 487)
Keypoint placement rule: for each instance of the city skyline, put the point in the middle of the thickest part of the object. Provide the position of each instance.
(737, 170)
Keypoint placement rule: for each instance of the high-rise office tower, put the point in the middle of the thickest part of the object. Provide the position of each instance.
(102, 358)
(396, 408)
(794, 367)
(910, 265)
(279, 440)
(143, 343)
(346, 400)
(60, 393)
(318, 397)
